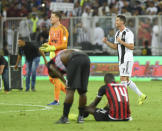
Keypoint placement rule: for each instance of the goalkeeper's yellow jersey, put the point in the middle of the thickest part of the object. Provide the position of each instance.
(58, 36)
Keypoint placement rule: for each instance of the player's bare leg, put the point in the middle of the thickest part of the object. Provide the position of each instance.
(67, 105)
(82, 103)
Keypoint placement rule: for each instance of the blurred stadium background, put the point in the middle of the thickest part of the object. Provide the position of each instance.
(88, 21)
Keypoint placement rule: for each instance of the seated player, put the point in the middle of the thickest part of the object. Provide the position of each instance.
(117, 108)
(76, 65)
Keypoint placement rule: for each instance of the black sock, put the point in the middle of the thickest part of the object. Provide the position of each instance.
(66, 110)
(81, 111)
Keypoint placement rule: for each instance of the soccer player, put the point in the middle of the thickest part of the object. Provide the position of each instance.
(58, 38)
(124, 44)
(76, 65)
(117, 108)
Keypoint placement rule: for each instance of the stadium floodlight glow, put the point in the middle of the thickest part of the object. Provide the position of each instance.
(43, 4)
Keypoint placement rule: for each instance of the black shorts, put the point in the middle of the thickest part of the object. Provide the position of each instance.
(103, 115)
(78, 69)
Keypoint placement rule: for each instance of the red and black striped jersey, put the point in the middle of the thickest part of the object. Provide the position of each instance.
(117, 96)
(57, 61)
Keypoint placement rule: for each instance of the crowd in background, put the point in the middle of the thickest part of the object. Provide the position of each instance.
(20, 8)
(38, 12)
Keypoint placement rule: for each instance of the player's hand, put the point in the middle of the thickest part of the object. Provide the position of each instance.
(104, 40)
(45, 44)
(52, 54)
(119, 40)
(15, 67)
(43, 47)
(47, 48)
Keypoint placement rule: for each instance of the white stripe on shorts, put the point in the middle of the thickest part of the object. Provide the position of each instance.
(125, 69)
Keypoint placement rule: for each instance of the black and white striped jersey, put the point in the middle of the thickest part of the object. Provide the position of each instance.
(124, 54)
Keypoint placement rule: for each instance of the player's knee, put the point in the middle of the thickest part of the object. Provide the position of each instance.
(69, 96)
(82, 92)
(70, 93)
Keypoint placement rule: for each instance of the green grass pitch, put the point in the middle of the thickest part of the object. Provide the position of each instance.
(27, 111)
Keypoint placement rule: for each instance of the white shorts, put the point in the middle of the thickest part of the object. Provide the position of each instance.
(125, 69)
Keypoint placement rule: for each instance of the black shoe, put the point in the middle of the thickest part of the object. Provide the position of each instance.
(27, 90)
(80, 119)
(33, 89)
(63, 120)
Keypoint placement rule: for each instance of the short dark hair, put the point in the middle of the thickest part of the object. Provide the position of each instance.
(122, 18)
(21, 38)
(108, 78)
(58, 14)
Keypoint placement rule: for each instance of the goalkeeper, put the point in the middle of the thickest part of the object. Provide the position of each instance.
(58, 37)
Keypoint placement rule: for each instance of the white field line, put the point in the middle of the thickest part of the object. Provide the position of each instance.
(28, 105)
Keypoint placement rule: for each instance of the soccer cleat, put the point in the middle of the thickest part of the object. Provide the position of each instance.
(141, 99)
(63, 120)
(54, 103)
(80, 119)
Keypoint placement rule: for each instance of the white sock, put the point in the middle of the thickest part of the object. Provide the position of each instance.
(133, 86)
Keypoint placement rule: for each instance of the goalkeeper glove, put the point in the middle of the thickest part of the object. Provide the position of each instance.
(52, 54)
(47, 48)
